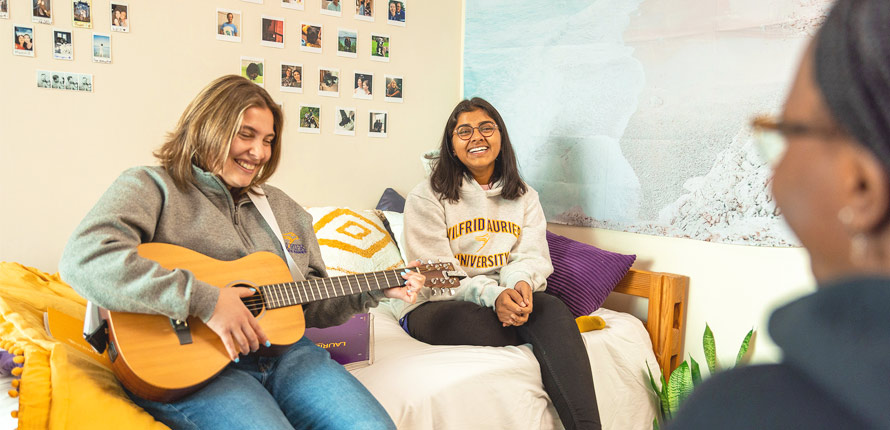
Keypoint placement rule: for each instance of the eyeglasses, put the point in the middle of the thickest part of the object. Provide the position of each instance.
(465, 132)
(771, 136)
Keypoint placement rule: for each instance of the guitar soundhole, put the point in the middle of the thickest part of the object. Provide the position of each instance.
(253, 303)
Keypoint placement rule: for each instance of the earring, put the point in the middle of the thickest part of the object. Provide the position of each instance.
(845, 216)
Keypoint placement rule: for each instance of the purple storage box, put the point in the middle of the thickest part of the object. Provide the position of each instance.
(350, 344)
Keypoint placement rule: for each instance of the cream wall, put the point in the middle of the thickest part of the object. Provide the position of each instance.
(61, 149)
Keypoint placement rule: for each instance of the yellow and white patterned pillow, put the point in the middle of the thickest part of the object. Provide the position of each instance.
(353, 241)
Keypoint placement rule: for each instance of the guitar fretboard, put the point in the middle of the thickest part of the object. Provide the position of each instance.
(310, 290)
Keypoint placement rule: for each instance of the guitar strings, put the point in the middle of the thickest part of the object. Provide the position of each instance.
(255, 303)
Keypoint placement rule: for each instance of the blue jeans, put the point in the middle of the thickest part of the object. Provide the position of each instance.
(302, 388)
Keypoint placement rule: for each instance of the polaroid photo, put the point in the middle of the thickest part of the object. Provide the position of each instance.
(71, 82)
(380, 47)
(292, 78)
(23, 40)
(347, 42)
(363, 85)
(43, 79)
(393, 88)
(63, 48)
(120, 17)
(344, 121)
(42, 11)
(101, 48)
(273, 32)
(310, 40)
(292, 4)
(228, 25)
(252, 69)
(364, 10)
(57, 80)
(82, 13)
(331, 7)
(395, 13)
(377, 123)
(328, 82)
(86, 82)
(310, 119)
(4, 9)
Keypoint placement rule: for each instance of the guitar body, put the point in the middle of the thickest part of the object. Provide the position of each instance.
(148, 357)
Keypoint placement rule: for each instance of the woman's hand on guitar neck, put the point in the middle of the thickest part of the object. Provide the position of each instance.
(234, 324)
(414, 282)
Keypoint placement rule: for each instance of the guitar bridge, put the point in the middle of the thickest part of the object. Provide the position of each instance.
(181, 328)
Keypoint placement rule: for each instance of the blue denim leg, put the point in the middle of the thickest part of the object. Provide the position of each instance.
(235, 399)
(302, 388)
(317, 392)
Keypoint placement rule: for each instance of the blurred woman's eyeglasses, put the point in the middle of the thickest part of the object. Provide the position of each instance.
(771, 136)
(486, 129)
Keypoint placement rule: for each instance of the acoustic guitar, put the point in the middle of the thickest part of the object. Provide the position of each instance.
(161, 359)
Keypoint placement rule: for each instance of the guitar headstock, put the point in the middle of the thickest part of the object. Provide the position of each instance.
(440, 277)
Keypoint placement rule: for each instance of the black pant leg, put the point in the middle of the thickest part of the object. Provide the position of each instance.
(565, 366)
(458, 322)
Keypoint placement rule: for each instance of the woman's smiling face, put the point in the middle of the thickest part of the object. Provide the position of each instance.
(478, 153)
(250, 149)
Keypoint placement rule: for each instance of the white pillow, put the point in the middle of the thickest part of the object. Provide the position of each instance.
(397, 225)
(353, 241)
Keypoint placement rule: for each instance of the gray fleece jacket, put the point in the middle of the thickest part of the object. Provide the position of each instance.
(144, 205)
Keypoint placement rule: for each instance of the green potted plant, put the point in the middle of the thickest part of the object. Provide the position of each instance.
(687, 376)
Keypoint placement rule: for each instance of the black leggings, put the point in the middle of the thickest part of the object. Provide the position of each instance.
(552, 332)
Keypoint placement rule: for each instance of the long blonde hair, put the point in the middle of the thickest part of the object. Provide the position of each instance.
(205, 130)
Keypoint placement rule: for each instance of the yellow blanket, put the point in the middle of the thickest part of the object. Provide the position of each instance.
(61, 387)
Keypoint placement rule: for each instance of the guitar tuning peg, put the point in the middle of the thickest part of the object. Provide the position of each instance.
(435, 281)
(450, 291)
(433, 291)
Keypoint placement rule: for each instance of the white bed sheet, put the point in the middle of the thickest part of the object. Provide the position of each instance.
(465, 387)
(7, 404)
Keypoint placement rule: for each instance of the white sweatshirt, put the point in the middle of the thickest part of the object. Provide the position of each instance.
(496, 242)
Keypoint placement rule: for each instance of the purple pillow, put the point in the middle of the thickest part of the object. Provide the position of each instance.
(583, 275)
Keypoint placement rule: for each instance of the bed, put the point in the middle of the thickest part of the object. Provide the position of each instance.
(450, 387)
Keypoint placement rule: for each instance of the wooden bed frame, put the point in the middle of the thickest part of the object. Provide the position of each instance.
(666, 320)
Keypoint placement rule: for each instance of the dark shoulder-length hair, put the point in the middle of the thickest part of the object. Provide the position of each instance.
(448, 173)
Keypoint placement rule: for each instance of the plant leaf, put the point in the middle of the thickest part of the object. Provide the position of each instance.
(695, 370)
(665, 402)
(710, 348)
(679, 386)
(654, 423)
(744, 348)
(661, 395)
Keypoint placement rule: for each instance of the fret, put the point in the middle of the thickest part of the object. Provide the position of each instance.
(320, 295)
(375, 280)
(309, 286)
(398, 279)
(279, 297)
(350, 283)
(366, 281)
(340, 280)
(304, 285)
(296, 288)
(290, 294)
(324, 283)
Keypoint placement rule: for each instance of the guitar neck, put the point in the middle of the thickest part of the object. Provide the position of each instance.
(310, 290)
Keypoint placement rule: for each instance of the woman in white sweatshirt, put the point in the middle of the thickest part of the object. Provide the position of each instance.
(476, 211)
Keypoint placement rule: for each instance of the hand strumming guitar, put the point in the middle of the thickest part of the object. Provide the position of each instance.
(235, 325)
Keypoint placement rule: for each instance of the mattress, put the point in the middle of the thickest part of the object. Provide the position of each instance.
(459, 387)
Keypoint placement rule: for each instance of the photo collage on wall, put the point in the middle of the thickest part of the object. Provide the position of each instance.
(330, 34)
(55, 13)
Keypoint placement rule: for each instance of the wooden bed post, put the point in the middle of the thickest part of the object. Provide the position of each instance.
(666, 319)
